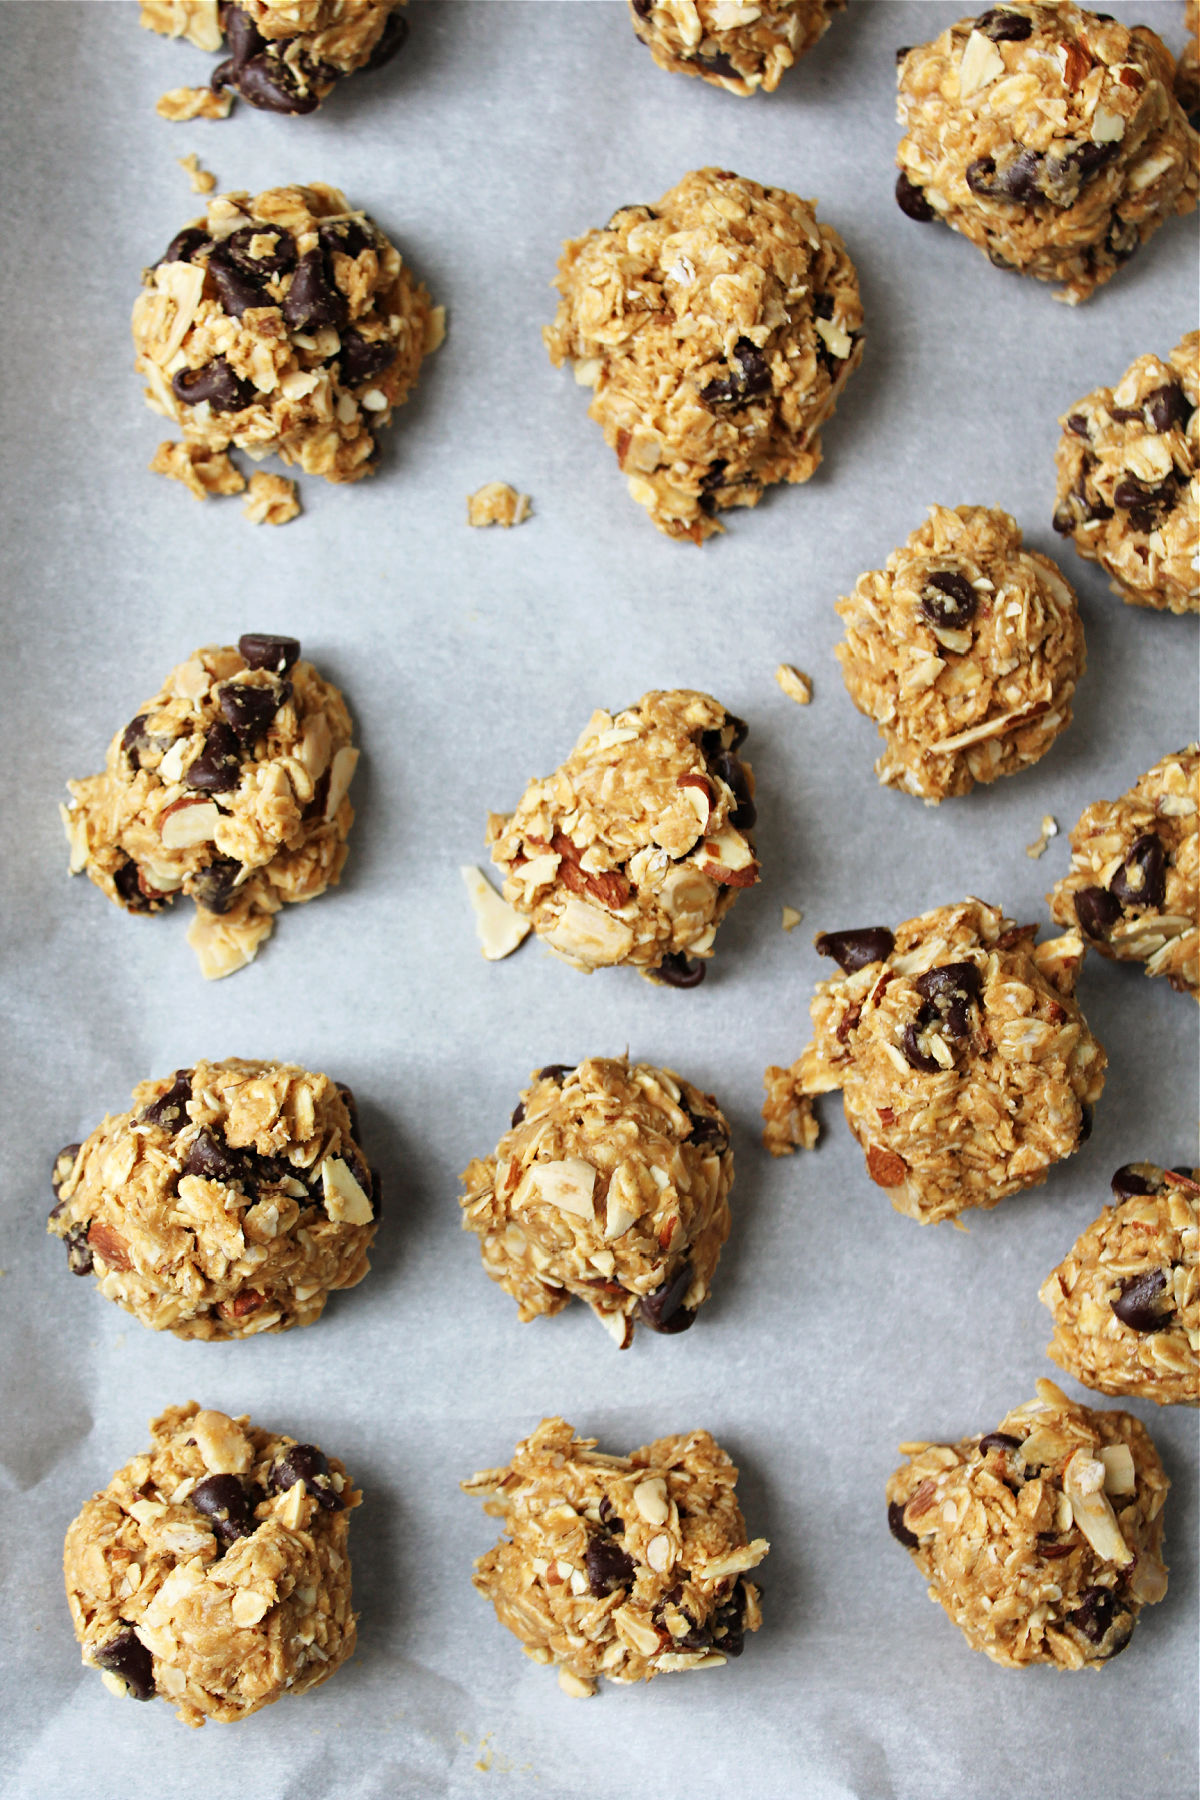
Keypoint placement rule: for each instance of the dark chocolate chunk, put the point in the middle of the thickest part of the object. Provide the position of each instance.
(1129, 1180)
(216, 383)
(607, 1566)
(1095, 1614)
(911, 1046)
(901, 52)
(949, 600)
(347, 235)
(1135, 1304)
(727, 1630)
(1167, 407)
(663, 1310)
(184, 245)
(127, 881)
(912, 202)
(728, 767)
(1003, 26)
(1088, 159)
(948, 980)
(126, 1655)
(312, 301)
(211, 1158)
(679, 970)
(304, 1462)
(361, 359)
(391, 38)
(170, 1109)
(236, 249)
(79, 1251)
(242, 36)
(1077, 423)
(853, 950)
(518, 1115)
(748, 379)
(268, 83)
(226, 1505)
(716, 64)
(1097, 912)
(1145, 505)
(707, 1130)
(999, 1440)
(1087, 1119)
(218, 768)
(1019, 179)
(249, 710)
(557, 1072)
(259, 650)
(898, 1528)
(216, 887)
(64, 1167)
(238, 285)
(1142, 878)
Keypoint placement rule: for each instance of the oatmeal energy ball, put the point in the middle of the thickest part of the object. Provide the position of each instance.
(625, 1566)
(967, 1070)
(1128, 492)
(232, 1199)
(283, 324)
(1042, 1540)
(965, 650)
(732, 43)
(634, 850)
(717, 328)
(229, 786)
(1048, 136)
(612, 1186)
(283, 58)
(1133, 887)
(213, 1569)
(1126, 1300)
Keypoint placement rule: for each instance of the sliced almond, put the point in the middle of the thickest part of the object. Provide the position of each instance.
(1120, 1476)
(660, 1553)
(1083, 1483)
(499, 926)
(839, 342)
(650, 1499)
(222, 1443)
(795, 683)
(643, 1638)
(189, 822)
(981, 63)
(568, 1184)
(588, 934)
(345, 1202)
(248, 1606)
(341, 774)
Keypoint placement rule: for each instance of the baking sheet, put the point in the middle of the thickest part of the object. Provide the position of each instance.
(471, 660)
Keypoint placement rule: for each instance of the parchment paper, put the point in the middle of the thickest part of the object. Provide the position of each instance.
(471, 660)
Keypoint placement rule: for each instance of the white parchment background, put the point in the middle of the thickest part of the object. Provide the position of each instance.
(471, 660)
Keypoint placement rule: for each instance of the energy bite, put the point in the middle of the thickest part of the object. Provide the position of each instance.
(282, 58)
(233, 1199)
(1048, 136)
(1126, 1300)
(625, 1566)
(283, 324)
(965, 650)
(717, 328)
(1133, 887)
(612, 1187)
(635, 848)
(230, 787)
(738, 46)
(1043, 1539)
(966, 1067)
(1128, 491)
(213, 1570)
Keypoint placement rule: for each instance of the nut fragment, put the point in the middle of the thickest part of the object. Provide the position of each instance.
(499, 926)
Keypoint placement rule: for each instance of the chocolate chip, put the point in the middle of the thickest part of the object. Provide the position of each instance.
(1095, 1614)
(242, 36)
(170, 1109)
(949, 600)
(226, 1505)
(727, 1631)
(748, 379)
(1089, 159)
(361, 359)
(1020, 179)
(249, 710)
(79, 1251)
(729, 768)
(608, 1516)
(184, 245)
(1135, 1304)
(127, 881)
(707, 1130)
(999, 1440)
(556, 1072)
(312, 302)
(1077, 423)
(391, 38)
(1145, 505)
(238, 287)
(63, 1167)
(125, 1655)
(1004, 27)
(901, 53)
(304, 1462)
(853, 950)
(260, 651)
(1142, 878)
(663, 1310)
(518, 1116)
(898, 1528)
(216, 888)
(607, 1566)
(1167, 407)
(1097, 912)
(739, 728)
(216, 383)
(136, 740)
(678, 970)
(268, 83)
(1129, 1180)
(1087, 1119)
(218, 768)
(717, 64)
(210, 1158)
(346, 235)
(912, 202)
(236, 249)
(911, 1046)
(949, 979)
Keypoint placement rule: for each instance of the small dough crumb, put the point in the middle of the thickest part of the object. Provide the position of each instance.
(795, 683)
(499, 926)
(182, 104)
(202, 471)
(1049, 830)
(497, 504)
(203, 180)
(271, 500)
(791, 918)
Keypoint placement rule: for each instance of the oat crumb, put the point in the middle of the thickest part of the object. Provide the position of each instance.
(271, 500)
(795, 683)
(497, 504)
(203, 472)
(499, 926)
(1049, 830)
(184, 103)
(791, 918)
(202, 180)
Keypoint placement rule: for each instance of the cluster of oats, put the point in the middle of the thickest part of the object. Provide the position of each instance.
(740, 45)
(213, 1570)
(233, 1199)
(966, 1067)
(624, 1566)
(611, 1187)
(1128, 493)
(1126, 1300)
(717, 329)
(230, 786)
(497, 503)
(1042, 1540)
(281, 57)
(1133, 887)
(636, 847)
(283, 324)
(965, 650)
(1048, 136)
